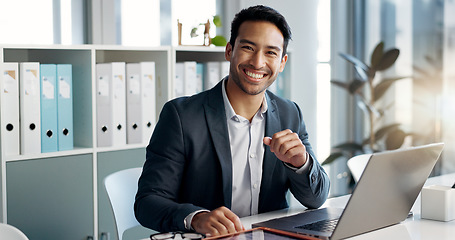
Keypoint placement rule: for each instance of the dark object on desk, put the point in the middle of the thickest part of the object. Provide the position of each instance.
(453, 186)
(176, 235)
(262, 233)
(383, 196)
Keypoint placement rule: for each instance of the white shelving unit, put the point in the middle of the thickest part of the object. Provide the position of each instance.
(60, 195)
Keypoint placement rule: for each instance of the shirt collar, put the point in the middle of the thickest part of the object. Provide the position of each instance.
(230, 113)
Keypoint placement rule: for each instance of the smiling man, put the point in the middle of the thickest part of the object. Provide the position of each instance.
(234, 150)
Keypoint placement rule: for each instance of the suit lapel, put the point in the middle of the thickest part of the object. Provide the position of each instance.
(216, 120)
(272, 126)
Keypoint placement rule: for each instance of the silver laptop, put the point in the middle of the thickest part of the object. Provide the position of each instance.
(383, 196)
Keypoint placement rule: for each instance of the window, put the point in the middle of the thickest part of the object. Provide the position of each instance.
(27, 22)
(323, 80)
(140, 22)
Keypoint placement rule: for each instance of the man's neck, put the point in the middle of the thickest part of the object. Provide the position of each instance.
(243, 104)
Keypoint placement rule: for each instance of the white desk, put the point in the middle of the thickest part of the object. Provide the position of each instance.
(411, 228)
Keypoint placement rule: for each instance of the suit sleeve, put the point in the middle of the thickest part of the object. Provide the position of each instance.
(156, 205)
(311, 188)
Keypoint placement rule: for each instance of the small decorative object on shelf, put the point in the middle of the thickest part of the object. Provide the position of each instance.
(218, 40)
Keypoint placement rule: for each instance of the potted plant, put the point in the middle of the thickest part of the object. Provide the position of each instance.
(368, 90)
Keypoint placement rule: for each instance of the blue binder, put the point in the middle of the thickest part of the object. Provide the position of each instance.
(48, 98)
(65, 107)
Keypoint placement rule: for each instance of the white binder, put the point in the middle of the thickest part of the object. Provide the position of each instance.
(111, 104)
(10, 109)
(179, 81)
(224, 68)
(29, 93)
(140, 101)
(211, 74)
(190, 78)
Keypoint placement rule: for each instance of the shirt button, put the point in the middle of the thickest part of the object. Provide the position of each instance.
(255, 185)
(252, 155)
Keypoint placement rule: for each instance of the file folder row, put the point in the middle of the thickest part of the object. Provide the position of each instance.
(126, 111)
(192, 77)
(37, 108)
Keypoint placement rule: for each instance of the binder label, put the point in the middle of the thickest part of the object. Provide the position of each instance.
(119, 87)
(31, 81)
(134, 84)
(103, 86)
(148, 85)
(48, 88)
(9, 81)
(64, 89)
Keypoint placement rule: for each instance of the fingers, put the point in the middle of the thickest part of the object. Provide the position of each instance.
(217, 222)
(267, 141)
(288, 147)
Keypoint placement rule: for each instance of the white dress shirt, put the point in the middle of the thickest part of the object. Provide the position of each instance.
(247, 152)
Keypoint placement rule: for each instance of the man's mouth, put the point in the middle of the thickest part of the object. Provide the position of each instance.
(254, 75)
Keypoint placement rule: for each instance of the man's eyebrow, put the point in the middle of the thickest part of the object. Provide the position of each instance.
(247, 41)
(276, 48)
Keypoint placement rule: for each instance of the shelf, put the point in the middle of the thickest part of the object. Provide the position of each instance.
(76, 151)
(65, 175)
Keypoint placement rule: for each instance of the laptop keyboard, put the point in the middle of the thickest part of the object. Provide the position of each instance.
(327, 225)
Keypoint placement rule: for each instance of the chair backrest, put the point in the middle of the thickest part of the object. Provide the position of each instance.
(357, 164)
(121, 188)
(11, 233)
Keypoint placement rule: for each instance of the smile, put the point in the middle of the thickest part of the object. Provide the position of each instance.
(254, 75)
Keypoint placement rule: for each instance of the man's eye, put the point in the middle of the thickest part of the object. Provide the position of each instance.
(247, 47)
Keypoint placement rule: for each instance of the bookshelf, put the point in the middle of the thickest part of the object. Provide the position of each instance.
(60, 195)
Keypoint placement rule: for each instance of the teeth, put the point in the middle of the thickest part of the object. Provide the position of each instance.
(254, 75)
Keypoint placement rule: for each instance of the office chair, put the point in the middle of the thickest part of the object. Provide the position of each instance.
(357, 164)
(11, 233)
(121, 187)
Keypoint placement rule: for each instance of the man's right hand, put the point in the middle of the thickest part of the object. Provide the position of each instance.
(217, 222)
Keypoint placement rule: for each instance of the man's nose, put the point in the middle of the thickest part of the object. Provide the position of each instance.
(258, 60)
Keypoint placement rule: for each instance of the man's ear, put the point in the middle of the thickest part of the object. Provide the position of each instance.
(228, 52)
(284, 59)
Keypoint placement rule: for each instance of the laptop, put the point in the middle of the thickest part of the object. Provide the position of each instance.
(384, 195)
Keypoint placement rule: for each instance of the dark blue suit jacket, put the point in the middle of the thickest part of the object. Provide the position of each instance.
(189, 167)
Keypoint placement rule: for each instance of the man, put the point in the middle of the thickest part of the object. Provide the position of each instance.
(234, 150)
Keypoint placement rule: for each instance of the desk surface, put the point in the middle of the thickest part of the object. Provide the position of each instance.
(411, 228)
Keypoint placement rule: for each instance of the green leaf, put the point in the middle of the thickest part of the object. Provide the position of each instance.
(355, 85)
(350, 147)
(395, 139)
(377, 55)
(332, 157)
(388, 59)
(367, 108)
(381, 88)
(340, 84)
(194, 32)
(361, 68)
(217, 21)
(219, 40)
(384, 130)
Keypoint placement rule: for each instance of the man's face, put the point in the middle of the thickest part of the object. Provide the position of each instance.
(256, 58)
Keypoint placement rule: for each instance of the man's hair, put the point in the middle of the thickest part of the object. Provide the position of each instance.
(261, 13)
